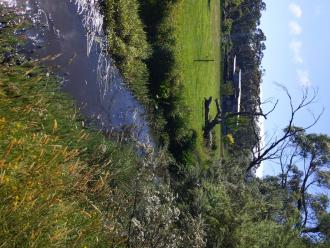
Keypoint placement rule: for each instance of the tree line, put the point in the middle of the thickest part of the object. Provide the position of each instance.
(242, 36)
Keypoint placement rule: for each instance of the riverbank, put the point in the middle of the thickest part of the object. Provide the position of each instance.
(55, 172)
(173, 57)
(128, 45)
(65, 184)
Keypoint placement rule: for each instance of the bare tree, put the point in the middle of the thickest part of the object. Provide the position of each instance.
(276, 144)
(222, 117)
(303, 157)
(272, 149)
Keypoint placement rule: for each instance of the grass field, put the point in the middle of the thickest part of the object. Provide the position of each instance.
(198, 38)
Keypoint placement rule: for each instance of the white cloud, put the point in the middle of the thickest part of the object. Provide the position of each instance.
(295, 9)
(303, 77)
(296, 47)
(295, 28)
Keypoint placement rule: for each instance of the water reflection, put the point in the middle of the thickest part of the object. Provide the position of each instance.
(73, 44)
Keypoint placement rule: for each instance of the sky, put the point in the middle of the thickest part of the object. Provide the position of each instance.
(297, 56)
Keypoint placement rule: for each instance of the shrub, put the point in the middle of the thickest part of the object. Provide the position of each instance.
(229, 139)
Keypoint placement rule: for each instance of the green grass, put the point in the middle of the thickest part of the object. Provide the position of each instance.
(128, 44)
(198, 37)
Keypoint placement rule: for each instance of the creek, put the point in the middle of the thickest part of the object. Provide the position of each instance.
(68, 37)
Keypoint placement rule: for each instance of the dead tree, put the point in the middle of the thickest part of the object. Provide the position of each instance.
(210, 124)
(221, 117)
(272, 149)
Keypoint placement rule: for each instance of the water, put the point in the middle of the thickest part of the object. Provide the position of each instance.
(67, 36)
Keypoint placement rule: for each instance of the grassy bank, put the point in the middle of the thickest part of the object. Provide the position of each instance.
(55, 174)
(128, 44)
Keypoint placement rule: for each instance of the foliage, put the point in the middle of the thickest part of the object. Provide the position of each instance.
(236, 212)
(244, 38)
(156, 220)
(229, 139)
(166, 77)
(227, 89)
(181, 34)
(313, 151)
(128, 44)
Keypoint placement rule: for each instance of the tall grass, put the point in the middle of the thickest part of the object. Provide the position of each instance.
(61, 184)
(128, 44)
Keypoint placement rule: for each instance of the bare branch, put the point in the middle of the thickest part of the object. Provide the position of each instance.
(270, 151)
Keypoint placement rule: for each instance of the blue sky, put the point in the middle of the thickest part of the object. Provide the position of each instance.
(297, 56)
